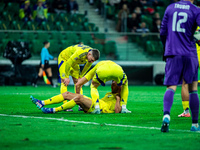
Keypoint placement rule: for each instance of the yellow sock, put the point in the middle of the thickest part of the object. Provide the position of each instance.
(185, 104)
(81, 90)
(94, 94)
(65, 106)
(124, 94)
(56, 99)
(63, 88)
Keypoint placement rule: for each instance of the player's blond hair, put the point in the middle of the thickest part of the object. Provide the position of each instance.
(95, 53)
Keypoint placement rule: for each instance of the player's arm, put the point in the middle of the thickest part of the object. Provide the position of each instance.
(85, 69)
(71, 63)
(118, 108)
(80, 83)
(43, 54)
(91, 73)
(85, 79)
(163, 32)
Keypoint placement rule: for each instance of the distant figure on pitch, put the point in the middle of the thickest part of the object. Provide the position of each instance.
(44, 65)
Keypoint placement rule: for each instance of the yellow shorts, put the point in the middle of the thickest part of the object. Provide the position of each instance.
(92, 107)
(61, 66)
(108, 73)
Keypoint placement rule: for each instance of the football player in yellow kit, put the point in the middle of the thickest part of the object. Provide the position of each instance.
(69, 60)
(106, 71)
(184, 90)
(109, 104)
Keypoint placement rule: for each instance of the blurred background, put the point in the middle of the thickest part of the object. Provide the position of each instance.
(125, 31)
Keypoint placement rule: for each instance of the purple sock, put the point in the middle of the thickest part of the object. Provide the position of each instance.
(194, 106)
(168, 101)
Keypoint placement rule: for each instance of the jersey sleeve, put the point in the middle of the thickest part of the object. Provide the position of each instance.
(43, 53)
(91, 73)
(71, 63)
(163, 29)
(50, 56)
(198, 18)
(85, 69)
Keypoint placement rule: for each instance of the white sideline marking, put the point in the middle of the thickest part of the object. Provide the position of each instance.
(93, 123)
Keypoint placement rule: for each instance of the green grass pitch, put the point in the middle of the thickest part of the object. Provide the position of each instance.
(23, 126)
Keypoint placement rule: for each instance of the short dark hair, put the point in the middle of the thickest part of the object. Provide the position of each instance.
(95, 54)
(45, 42)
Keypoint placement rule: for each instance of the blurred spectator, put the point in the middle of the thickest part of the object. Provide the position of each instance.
(138, 12)
(25, 11)
(156, 17)
(157, 3)
(40, 12)
(72, 7)
(59, 6)
(133, 22)
(156, 26)
(134, 4)
(144, 2)
(122, 19)
(122, 2)
(114, 2)
(143, 28)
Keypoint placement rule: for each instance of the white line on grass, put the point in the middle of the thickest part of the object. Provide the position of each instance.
(92, 123)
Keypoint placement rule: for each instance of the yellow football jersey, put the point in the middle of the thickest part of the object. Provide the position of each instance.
(72, 57)
(105, 71)
(107, 103)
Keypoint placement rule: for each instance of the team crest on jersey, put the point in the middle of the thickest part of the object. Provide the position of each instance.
(109, 96)
(76, 58)
(63, 75)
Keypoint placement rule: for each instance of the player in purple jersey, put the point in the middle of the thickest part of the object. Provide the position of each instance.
(178, 26)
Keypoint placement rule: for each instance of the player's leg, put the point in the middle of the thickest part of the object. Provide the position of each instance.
(77, 100)
(95, 95)
(61, 67)
(34, 83)
(185, 100)
(124, 97)
(194, 105)
(168, 101)
(53, 100)
(190, 75)
(173, 77)
(49, 72)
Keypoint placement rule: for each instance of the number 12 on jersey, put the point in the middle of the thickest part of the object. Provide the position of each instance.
(176, 24)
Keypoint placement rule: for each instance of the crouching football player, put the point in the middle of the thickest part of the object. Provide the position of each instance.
(110, 103)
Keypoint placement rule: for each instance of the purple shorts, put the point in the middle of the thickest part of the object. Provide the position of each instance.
(181, 67)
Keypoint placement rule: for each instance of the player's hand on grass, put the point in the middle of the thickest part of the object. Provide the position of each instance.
(66, 81)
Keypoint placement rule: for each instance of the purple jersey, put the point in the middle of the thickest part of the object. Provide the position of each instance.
(177, 29)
